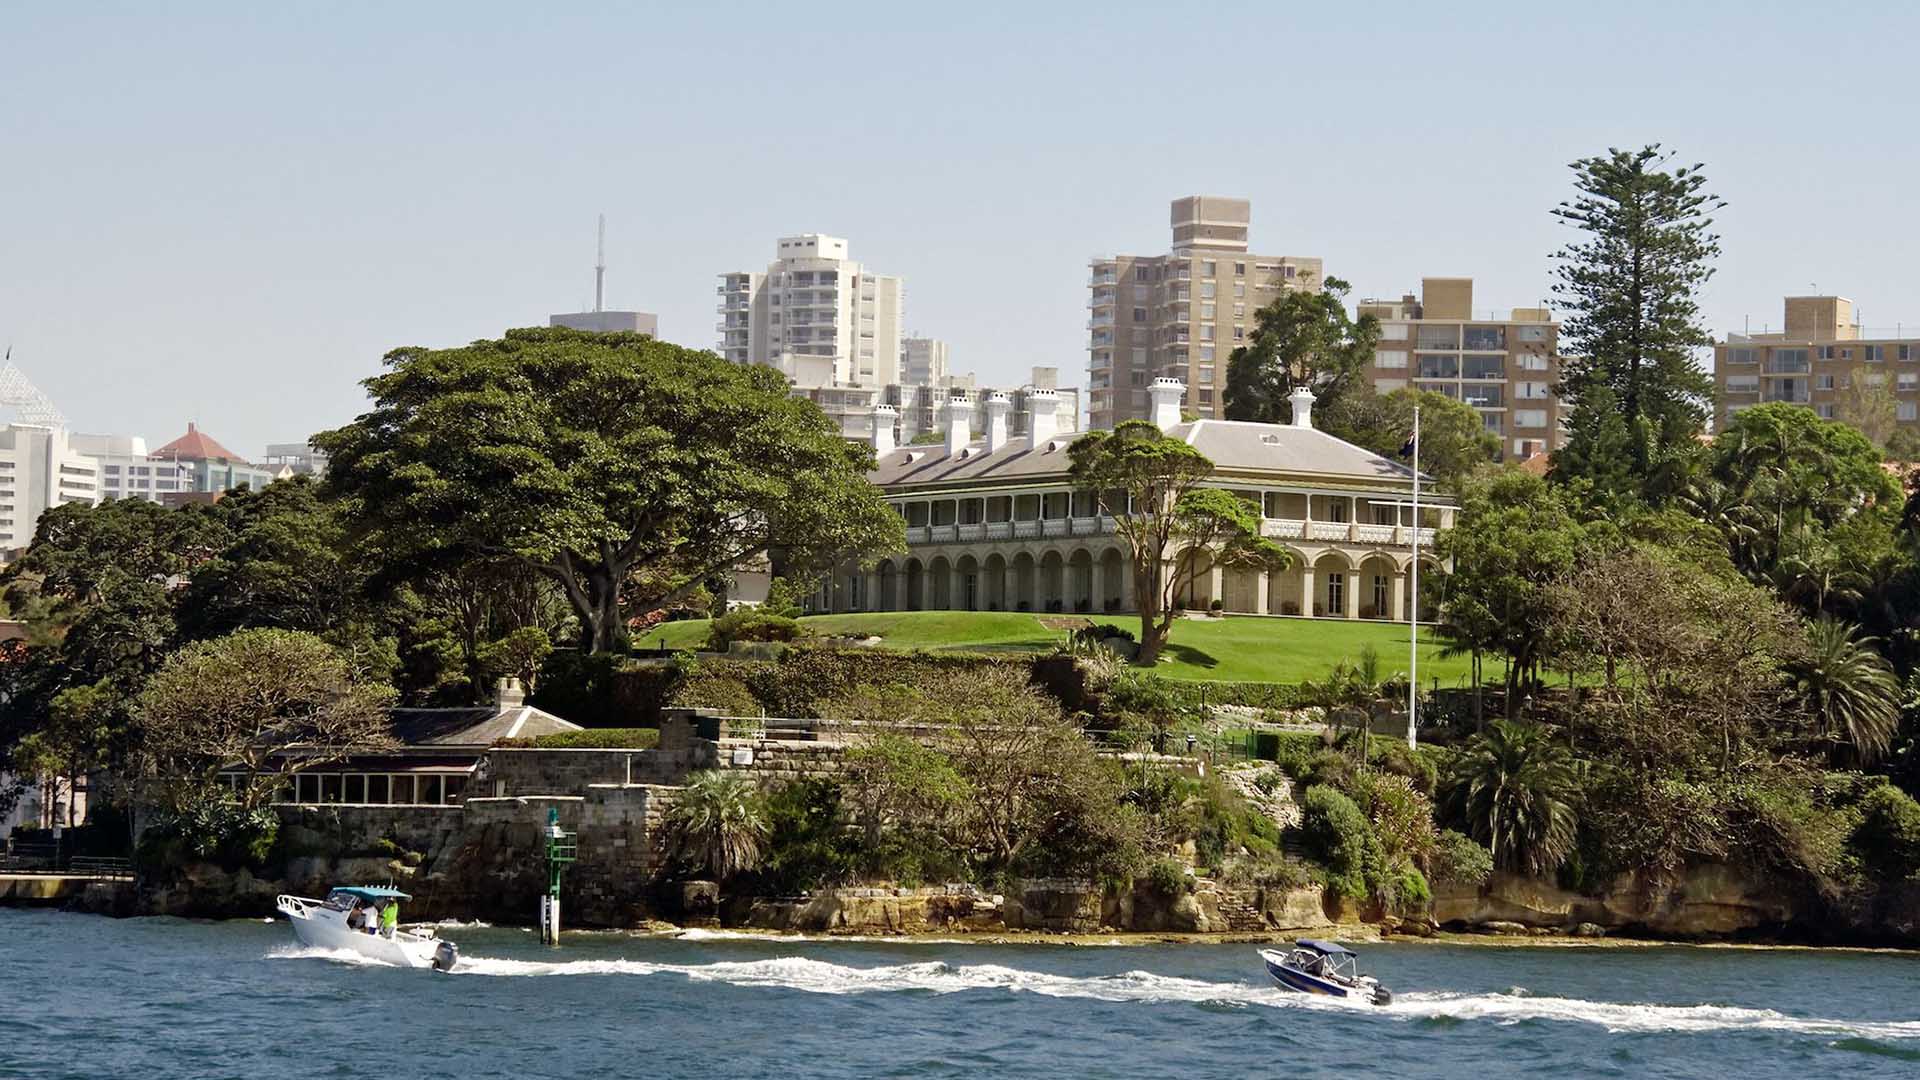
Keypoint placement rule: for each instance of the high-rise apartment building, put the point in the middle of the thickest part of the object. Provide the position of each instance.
(1179, 315)
(1504, 368)
(923, 362)
(40, 469)
(815, 314)
(1820, 359)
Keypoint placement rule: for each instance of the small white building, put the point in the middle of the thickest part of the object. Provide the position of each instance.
(128, 472)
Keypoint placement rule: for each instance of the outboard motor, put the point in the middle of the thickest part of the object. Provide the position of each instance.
(1382, 996)
(445, 956)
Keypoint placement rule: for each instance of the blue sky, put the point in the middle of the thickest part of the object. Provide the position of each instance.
(228, 213)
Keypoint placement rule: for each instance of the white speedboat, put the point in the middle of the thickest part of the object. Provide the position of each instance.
(351, 918)
(1324, 968)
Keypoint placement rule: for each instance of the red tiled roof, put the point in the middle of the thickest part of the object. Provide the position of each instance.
(195, 446)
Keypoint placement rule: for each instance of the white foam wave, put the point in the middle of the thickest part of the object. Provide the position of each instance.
(1620, 1016)
(821, 977)
(695, 933)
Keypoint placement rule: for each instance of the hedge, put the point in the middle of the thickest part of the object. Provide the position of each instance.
(632, 738)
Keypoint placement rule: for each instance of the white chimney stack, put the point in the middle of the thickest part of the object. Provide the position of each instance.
(998, 406)
(959, 425)
(1302, 402)
(1165, 394)
(1043, 416)
(883, 418)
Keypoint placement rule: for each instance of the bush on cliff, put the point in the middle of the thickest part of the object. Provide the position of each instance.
(212, 826)
(1888, 836)
(1460, 861)
(1337, 834)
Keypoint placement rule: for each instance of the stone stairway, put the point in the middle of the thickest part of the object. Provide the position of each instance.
(1240, 916)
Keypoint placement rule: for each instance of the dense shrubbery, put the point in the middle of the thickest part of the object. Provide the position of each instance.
(751, 624)
(1888, 834)
(1459, 860)
(1337, 835)
(213, 826)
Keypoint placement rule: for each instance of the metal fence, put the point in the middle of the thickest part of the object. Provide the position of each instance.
(55, 858)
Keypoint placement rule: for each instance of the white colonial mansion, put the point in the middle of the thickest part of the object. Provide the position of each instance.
(998, 525)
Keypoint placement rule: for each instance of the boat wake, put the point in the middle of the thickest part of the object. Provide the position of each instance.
(821, 977)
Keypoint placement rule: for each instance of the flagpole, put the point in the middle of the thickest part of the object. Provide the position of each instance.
(1413, 622)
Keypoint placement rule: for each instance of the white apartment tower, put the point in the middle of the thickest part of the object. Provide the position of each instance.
(815, 314)
(924, 362)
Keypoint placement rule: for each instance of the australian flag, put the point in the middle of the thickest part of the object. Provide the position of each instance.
(1407, 450)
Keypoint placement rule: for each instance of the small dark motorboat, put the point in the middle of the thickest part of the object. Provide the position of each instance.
(1324, 968)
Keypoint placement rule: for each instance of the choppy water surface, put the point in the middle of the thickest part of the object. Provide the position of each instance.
(93, 997)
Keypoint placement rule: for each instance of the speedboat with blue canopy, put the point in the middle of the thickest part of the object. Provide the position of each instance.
(1325, 968)
(366, 919)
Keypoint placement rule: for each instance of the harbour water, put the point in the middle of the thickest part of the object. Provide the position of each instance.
(89, 997)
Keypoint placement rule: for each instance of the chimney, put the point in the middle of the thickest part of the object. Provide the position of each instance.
(1302, 402)
(883, 417)
(508, 694)
(959, 425)
(1165, 394)
(998, 406)
(1043, 419)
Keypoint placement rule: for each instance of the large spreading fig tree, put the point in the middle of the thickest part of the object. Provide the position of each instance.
(593, 457)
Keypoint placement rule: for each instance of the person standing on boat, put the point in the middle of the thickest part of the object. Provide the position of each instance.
(390, 918)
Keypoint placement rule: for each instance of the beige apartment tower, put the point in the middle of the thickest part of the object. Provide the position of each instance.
(1505, 368)
(1820, 360)
(1180, 315)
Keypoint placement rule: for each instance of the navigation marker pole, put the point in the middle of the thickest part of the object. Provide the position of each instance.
(562, 848)
(1413, 622)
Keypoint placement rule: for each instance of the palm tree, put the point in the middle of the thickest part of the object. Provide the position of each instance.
(1848, 690)
(717, 824)
(1514, 788)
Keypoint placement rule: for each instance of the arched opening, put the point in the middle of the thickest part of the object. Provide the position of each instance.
(1080, 586)
(916, 586)
(1114, 595)
(994, 577)
(1195, 568)
(1053, 583)
(889, 575)
(1026, 582)
(1334, 592)
(939, 584)
(1380, 593)
(966, 579)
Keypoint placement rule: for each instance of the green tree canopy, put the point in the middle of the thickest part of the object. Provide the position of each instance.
(1513, 539)
(592, 456)
(265, 701)
(1300, 339)
(1455, 444)
(1149, 483)
(1630, 286)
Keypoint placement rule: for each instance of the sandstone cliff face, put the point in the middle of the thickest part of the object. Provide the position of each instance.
(1707, 901)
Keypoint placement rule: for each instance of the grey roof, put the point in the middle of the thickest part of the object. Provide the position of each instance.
(1234, 446)
(480, 726)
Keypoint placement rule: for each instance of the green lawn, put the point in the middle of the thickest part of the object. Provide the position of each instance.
(1234, 649)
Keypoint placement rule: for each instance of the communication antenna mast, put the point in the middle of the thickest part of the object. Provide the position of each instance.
(600, 268)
